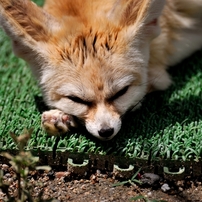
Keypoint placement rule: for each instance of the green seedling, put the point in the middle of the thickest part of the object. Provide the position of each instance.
(22, 163)
(131, 181)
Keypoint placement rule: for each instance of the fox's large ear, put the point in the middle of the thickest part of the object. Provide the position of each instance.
(137, 15)
(26, 24)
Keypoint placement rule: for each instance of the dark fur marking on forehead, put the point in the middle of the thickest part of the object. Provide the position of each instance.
(89, 43)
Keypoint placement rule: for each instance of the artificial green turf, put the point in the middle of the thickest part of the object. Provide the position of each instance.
(168, 126)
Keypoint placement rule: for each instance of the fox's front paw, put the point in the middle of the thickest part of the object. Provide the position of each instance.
(56, 122)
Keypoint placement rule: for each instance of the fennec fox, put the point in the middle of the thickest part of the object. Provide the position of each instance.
(96, 59)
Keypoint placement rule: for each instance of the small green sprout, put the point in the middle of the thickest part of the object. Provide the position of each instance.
(131, 181)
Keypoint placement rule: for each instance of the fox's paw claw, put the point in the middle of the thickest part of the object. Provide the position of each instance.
(56, 122)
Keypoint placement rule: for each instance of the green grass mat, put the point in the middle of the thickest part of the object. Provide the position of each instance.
(168, 126)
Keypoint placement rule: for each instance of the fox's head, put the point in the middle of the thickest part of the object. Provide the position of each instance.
(90, 57)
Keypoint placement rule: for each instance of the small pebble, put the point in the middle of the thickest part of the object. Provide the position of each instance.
(60, 174)
(150, 179)
(165, 187)
(181, 189)
(10, 180)
(8, 175)
(98, 172)
(5, 167)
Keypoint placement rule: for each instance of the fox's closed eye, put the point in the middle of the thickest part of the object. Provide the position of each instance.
(79, 100)
(119, 93)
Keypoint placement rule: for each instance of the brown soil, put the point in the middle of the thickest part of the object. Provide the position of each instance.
(62, 186)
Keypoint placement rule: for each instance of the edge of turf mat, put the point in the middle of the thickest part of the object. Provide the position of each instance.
(122, 167)
(165, 132)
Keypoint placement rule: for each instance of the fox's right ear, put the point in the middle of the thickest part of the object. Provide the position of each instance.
(137, 16)
(26, 24)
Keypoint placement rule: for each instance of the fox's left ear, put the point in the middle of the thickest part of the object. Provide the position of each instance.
(28, 26)
(137, 16)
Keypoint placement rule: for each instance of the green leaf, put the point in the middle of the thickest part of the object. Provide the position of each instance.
(137, 198)
(135, 175)
(120, 183)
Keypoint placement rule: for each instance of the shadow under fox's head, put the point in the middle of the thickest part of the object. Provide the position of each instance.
(90, 56)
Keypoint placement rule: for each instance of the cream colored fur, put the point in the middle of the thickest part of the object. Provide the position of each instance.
(96, 60)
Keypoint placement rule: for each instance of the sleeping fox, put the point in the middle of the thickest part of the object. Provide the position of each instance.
(95, 60)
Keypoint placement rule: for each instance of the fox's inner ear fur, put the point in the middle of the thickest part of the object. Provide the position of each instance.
(141, 15)
(26, 24)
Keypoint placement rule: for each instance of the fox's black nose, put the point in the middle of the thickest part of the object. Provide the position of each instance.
(106, 132)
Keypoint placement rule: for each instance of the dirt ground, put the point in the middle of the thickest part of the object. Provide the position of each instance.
(99, 187)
